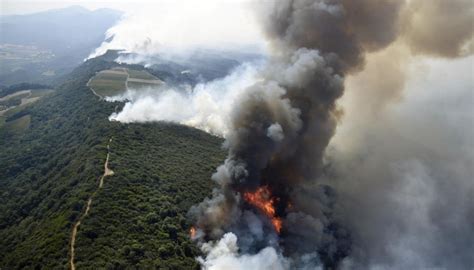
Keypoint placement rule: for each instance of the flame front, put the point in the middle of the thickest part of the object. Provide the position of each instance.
(263, 201)
(192, 232)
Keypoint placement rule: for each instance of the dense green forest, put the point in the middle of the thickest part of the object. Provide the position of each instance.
(137, 220)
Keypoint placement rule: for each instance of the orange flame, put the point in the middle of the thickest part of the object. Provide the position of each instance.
(262, 200)
(192, 232)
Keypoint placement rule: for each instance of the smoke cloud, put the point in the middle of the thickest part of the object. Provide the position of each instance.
(206, 106)
(404, 176)
(439, 28)
(225, 255)
(176, 27)
(278, 140)
(282, 126)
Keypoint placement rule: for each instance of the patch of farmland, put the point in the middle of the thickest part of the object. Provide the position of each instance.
(141, 79)
(116, 81)
(16, 126)
(109, 83)
(17, 101)
(141, 74)
(40, 92)
(13, 95)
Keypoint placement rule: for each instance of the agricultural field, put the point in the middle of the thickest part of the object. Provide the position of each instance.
(14, 56)
(116, 81)
(140, 74)
(13, 104)
(17, 126)
(109, 83)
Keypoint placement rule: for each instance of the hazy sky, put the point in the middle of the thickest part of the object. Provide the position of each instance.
(8, 7)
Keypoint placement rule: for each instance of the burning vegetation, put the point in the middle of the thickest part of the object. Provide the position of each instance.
(265, 203)
(192, 232)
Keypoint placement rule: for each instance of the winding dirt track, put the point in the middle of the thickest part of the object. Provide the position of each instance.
(107, 172)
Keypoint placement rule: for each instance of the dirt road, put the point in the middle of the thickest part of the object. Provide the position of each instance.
(107, 172)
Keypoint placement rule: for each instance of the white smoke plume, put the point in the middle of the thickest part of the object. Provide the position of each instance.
(225, 255)
(206, 106)
(169, 27)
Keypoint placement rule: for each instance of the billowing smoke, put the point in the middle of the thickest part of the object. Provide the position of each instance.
(281, 128)
(206, 106)
(404, 175)
(284, 201)
(175, 27)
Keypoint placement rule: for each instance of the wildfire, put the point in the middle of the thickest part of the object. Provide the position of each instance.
(262, 200)
(192, 232)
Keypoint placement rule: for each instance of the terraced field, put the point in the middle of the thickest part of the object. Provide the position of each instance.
(116, 81)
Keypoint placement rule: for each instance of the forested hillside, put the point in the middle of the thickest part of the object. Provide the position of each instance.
(137, 219)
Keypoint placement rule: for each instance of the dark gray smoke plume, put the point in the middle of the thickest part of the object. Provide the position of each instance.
(279, 134)
(283, 124)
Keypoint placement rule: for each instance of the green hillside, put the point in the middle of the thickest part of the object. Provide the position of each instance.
(137, 219)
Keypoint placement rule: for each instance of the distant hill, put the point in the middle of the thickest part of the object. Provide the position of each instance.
(62, 31)
(41, 46)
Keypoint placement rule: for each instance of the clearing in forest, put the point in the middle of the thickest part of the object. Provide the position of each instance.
(116, 81)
